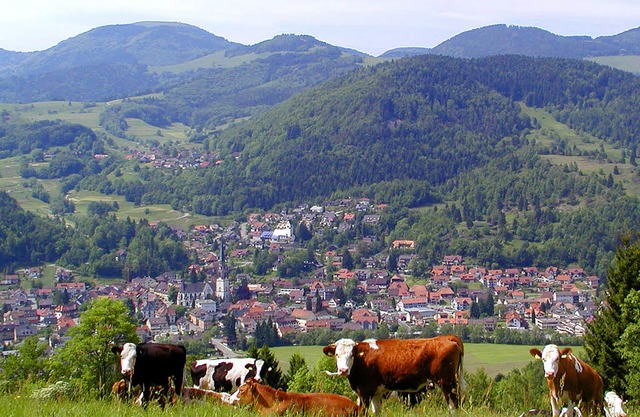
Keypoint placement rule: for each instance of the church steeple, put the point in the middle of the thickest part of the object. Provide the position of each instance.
(223, 291)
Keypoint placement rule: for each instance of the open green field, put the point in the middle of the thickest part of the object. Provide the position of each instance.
(89, 116)
(153, 213)
(493, 358)
(629, 63)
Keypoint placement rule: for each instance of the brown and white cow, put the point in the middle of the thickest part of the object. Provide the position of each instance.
(570, 379)
(376, 367)
(119, 390)
(613, 405)
(269, 400)
(225, 375)
(152, 364)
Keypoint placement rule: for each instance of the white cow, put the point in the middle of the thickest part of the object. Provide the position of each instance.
(225, 374)
(613, 405)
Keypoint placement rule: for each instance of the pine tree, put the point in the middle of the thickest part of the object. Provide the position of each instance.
(273, 376)
(296, 362)
(604, 332)
(475, 310)
(347, 259)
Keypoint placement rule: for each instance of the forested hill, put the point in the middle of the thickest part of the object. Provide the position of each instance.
(468, 139)
(424, 119)
(91, 246)
(532, 41)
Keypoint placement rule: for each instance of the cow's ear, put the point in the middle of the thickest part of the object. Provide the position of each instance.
(565, 352)
(536, 353)
(250, 366)
(116, 349)
(329, 350)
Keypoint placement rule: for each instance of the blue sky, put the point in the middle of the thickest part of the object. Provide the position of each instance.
(371, 26)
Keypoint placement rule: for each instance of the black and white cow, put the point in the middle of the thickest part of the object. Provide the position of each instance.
(225, 375)
(152, 364)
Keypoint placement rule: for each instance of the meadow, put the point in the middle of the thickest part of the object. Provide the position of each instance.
(493, 358)
(28, 407)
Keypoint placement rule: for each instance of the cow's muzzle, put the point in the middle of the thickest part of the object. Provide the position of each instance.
(341, 372)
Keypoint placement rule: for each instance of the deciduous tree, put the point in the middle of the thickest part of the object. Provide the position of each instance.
(87, 358)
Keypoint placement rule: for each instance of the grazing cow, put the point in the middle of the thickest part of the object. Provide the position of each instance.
(190, 393)
(613, 405)
(270, 400)
(375, 367)
(570, 379)
(151, 364)
(225, 375)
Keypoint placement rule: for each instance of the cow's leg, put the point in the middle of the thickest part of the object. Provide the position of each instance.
(164, 394)
(144, 396)
(376, 404)
(453, 399)
(178, 380)
(569, 409)
(555, 410)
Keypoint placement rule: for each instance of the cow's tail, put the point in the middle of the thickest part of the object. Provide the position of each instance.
(461, 385)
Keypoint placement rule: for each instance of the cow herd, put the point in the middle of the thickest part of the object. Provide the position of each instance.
(374, 368)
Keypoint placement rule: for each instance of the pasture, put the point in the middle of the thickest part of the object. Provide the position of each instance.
(554, 132)
(22, 406)
(494, 359)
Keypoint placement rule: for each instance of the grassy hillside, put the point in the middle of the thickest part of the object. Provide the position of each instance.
(552, 132)
(629, 63)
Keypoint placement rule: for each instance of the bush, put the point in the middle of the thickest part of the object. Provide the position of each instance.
(59, 390)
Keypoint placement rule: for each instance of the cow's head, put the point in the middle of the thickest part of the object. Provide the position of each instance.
(613, 405)
(344, 351)
(550, 356)
(255, 370)
(246, 393)
(128, 354)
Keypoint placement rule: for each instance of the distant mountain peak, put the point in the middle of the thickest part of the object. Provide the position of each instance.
(502, 39)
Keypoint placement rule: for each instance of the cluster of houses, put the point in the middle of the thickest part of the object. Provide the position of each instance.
(170, 306)
(183, 159)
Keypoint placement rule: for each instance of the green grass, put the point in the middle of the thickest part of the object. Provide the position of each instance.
(552, 130)
(23, 406)
(629, 63)
(493, 358)
(153, 213)
(501, 358)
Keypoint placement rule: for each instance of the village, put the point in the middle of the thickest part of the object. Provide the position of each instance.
(170, 306)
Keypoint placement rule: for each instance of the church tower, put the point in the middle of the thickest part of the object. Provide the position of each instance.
(223, 292)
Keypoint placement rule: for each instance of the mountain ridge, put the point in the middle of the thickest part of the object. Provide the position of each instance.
(621, 41)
